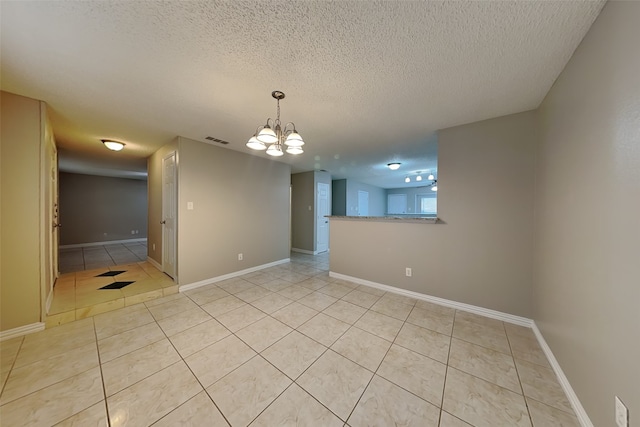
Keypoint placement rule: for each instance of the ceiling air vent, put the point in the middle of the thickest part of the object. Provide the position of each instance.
(212, 139)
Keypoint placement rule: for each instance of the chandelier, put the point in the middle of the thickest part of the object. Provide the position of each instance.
(275, 136)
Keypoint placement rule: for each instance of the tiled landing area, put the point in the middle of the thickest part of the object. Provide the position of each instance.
(285, 346)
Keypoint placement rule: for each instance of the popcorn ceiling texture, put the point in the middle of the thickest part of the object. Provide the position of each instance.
(377, 71)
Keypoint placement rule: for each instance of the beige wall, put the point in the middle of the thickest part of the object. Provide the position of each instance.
(240, 205)
(587, 269)
(101, 208)
(481, 251)
(20, 211)
(154, 200)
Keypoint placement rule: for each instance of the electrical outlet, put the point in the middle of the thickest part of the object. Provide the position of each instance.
(622, 414)
(189, 206)
(240, 257)
(407, 272)
(133, 231)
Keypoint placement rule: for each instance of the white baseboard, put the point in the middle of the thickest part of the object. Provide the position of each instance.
(21, 330)
(505, 317)
(154, 263)
(212, 280)
(583, 418)
(109, 242)
(304, 251)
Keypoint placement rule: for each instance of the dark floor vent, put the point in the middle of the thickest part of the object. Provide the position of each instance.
(210, 138)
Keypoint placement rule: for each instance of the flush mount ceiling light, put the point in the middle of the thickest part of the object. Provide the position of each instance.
(407, 179)
(393, 166)
(112, 145)
(274, 134)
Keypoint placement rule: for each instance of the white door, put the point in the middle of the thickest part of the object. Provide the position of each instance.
(322, 222)
(397, 203)
(51, 219)
(363, 203)
(169, 214)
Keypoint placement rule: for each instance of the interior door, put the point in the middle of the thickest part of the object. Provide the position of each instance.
(50, 219)
(363, 203)
(169, 214)
(322, 222)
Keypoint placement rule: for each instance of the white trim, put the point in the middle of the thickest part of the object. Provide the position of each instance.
(155, 263)
(583, 418)
(505, 317)
(304, 251)
(21, 330)
(49, 301)
(109, 242)
(206, 282)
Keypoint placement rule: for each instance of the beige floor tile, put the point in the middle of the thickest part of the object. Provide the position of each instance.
(197, 411)
(296, 408)
(253, 294)
(481, 403)
(217, 360)
(248, 390)
(366, 349)
(60, 319)
(371, 290)
(276, 285)
(527, 348)
(63, 300)
(170, 290)
(144, 297)
(8, 352)
(544, 415)
(295, 292)
(345, 311)
(434, 320)
(45, 372)
(235, 286)
(448, 420)
(294, 314)
(399, 298)
(488, 323)
(263, 333)
(239, 318)
(414, 372)
(271, 303)
(346, 283)
(94, 298)
(130, 368)
(55, 403)
(207, 294)
(171, 308)
(293, 277)
(486, 336)
(392, 308)
(336, 290)
(433, 307)
(122, 320)
(336, 382)
(541, 384)
(317, 301)
(165, 299)
(314, 283)
(424, 341)
(324, 329)
(104, 307)
(385, 404)
(154, 397)
(294, 353)
(198, 337)
(260, 278)
(95, 416)
(55, 341)
(182, 321)
(379, 324)
(131, 340)
(361, 298)
(490, 365)
(223, 305)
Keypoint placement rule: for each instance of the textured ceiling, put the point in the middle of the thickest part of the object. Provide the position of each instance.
(366, 82)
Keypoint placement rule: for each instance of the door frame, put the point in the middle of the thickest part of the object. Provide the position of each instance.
(174, 276)
(320, 217)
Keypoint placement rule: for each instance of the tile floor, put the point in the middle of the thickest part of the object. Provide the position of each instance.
(284, 346)
(92, 257)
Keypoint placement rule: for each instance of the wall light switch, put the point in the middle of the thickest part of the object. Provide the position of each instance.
(408, 272)
(189, 206)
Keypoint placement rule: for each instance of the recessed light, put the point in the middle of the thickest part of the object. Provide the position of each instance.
(393, 166)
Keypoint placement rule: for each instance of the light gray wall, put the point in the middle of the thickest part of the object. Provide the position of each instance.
(481, 252)
(339, 197)
(101, 209)
(587, 265)
(240, 205)
(377, 198)
(303, 211)
(411, 193)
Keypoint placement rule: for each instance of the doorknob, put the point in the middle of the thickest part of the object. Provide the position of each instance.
(163, 221)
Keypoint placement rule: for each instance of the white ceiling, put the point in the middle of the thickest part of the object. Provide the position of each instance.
(366, 82)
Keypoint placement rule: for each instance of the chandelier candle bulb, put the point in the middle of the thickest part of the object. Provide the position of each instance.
(276, 135)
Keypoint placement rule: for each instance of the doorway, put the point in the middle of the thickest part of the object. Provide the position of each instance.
(322, 222)
(169, 214)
